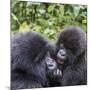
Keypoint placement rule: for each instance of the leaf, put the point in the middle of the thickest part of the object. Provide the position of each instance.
(15, 18)
(84, 21)
(50, 8)
(62, 10)
(76, 11)
(24, 27)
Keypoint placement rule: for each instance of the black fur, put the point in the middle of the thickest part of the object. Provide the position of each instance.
(28, 68)
(75, 67)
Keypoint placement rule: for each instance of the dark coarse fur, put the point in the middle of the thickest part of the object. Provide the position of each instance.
(28, 69)
(75, 69)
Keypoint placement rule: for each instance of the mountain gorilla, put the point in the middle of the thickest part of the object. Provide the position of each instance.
(31, 61)
(71, 56)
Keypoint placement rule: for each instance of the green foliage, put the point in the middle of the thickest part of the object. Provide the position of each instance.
(46, 18)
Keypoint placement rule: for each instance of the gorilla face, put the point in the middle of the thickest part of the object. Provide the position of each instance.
(65, 55)
(62, 54)
(51, 64)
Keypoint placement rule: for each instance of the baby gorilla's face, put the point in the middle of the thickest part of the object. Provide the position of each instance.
(52, 69)
(51, 64)
(61, 55)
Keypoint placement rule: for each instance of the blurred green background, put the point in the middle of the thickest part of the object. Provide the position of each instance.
(46, 18)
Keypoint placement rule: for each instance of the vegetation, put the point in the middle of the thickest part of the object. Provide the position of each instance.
(46, 18)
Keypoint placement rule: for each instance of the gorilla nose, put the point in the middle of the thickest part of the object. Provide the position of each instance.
(62, 52)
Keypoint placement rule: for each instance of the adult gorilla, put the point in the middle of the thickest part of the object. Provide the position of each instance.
(71, 56)
(28, 61)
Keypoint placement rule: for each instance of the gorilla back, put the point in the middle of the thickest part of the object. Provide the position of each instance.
(28, 69)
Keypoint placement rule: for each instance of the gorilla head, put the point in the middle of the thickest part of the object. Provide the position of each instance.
(71, 45)
(50, 62)
(71, 56)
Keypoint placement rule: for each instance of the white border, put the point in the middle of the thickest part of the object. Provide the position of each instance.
(84, 2)
(5, 43)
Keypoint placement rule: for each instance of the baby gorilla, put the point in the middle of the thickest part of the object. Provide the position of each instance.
(29, 61)
(71, 56)
(53, 73)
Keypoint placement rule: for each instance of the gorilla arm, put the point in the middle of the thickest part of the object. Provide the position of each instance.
(74, 75)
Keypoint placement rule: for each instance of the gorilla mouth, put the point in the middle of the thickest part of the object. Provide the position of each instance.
(60, 61)
(50, 65)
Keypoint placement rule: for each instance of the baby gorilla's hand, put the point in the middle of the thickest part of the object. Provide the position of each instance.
(54, 74)
(57, 73)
